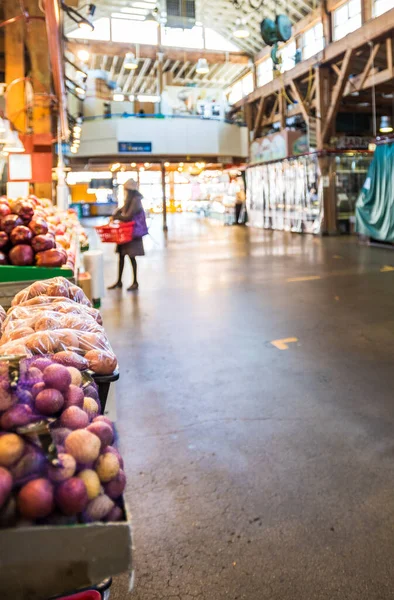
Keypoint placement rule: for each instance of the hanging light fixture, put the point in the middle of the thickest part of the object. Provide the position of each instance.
(83, 55)
(118, 95)
(202, 66)
(241, 31)
(151, 18)
(385, 125)
(130, 62)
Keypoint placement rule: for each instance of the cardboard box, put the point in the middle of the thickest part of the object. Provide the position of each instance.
(85, 283)
(37, 563)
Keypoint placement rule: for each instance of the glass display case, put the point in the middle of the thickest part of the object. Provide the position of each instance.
(350, 174)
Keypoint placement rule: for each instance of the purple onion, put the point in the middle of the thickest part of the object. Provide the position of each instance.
(115, 515)
(16, 416)
(32, 465)
(115, 488)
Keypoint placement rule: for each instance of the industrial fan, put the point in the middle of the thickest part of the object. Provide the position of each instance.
(276, 31)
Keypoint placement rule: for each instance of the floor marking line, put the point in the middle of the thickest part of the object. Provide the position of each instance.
(386, 269)
(310, 278)
(283, 344)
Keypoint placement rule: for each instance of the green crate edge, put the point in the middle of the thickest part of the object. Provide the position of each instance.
(11, 273)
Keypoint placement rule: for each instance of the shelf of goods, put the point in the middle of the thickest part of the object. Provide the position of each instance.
(63, 521)
(37, 241)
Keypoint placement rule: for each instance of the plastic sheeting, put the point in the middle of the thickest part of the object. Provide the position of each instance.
(286, 195)
(375, 204)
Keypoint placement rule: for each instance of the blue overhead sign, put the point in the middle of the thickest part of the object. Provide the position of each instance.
(135, 147)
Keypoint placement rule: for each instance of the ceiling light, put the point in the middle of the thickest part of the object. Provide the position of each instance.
(136, 11)
(142, 168)
(83, 55)
(130, 62)
(151, 18)
(115, 166)
(133, 165)
(118, 95)
(202, 66)
(148, 98)
(73, 149)
(385, 125)
(241, 31)
(147, 165)
(181, 164)
(77, 128)
(127, 17)
(372, 147)
(131, 98)
(80, 91)
(86, 26)
(167, 164)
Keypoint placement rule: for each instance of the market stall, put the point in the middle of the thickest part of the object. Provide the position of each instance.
(37, 241)
(61, 476)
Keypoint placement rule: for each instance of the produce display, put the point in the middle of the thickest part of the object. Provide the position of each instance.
(34, 232)
(58, 463)
(58, 460)
(54, 317)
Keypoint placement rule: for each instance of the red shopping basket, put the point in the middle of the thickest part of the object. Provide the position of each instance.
(116, 233)
(88, 595)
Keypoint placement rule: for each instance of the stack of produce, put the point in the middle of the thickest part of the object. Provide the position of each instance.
(33, 232)
(54, 317)
(58, 464)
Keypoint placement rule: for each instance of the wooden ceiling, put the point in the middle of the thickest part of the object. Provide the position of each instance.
(223, 15)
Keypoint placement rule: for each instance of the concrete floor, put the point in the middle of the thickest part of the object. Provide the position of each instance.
(257, 473)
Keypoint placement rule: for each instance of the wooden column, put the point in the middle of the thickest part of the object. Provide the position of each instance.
(40, 71)
(326, 19)
(14, 67)
(328, 176)
(366, 10)
(282, 109)
(322, 101)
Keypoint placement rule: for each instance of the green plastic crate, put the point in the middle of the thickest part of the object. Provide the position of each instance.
(14, 279)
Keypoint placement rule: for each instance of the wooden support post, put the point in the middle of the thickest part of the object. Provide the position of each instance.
(40, 71)
(389, 53)
(282, 109)
(163, 185)
(327, 174)
(337, 93)
(300, 102)
(366, 10)
(259, 118)
(368, 66)
(14, 67)
(327, 23)
(322, 75)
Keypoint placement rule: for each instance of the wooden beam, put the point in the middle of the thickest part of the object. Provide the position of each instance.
(145, 51)
(337, 92)
(368, 67)
(257, 124)
(376, 29)
(374, 79)
(300, 101)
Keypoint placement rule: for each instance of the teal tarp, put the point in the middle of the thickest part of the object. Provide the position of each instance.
(375, 204)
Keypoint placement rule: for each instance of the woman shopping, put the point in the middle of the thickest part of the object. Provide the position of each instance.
(131, 211)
